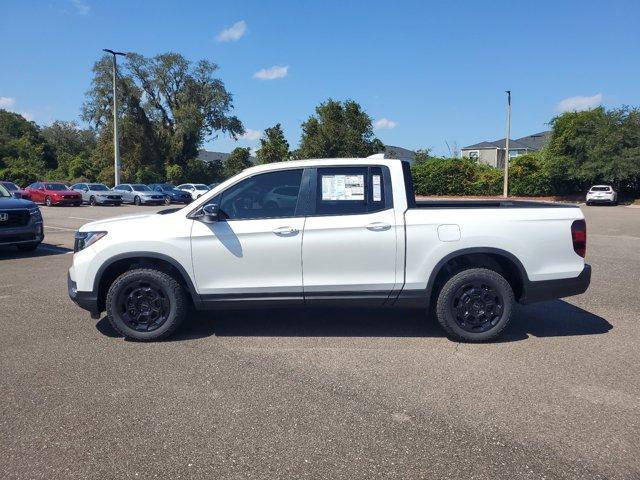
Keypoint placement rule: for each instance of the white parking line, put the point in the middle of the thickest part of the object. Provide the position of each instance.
(61, 228)
(84, 218)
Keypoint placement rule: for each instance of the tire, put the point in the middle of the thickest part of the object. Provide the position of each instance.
(146, 290)
(483, 291)
(118, 204)
(92, 201)
(47, 201)
(28, 247)
(588, 204)
(136, 200)
(167, 200)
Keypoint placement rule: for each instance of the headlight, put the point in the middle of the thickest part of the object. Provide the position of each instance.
(35, 214)
(86, 239)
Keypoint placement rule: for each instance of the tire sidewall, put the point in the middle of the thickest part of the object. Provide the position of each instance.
(446, 316)
(177, 304)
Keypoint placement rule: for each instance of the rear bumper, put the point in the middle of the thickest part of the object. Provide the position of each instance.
(560, 288)
(85, 300)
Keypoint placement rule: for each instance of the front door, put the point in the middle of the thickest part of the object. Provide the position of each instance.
(349, 244)
(254, 250)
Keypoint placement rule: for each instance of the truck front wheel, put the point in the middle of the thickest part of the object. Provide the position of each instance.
(475, 305)
(146, 304)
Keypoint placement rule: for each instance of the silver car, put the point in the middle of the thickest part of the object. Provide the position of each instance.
(97, 194)
(138, 194)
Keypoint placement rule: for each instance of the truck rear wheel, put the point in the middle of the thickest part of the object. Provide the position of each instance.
(146, 304)
(475, 305)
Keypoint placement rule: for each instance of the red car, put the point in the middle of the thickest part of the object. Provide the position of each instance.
(53, 193)
(14, 190)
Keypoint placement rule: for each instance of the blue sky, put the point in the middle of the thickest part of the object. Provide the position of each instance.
(426, 72)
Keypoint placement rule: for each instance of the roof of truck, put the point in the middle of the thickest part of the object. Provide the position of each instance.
(321, 162)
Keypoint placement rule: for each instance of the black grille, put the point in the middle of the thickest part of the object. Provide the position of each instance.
(14, 218)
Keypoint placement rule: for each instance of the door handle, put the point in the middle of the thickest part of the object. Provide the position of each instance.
(378, 226)
(286, 231)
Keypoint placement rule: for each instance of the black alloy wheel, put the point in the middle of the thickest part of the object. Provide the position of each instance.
(136, 200)
(92, 201)
(477, 306)
(143, 305)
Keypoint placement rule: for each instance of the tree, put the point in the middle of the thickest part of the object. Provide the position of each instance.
(596, 146)
(338, 130)
(273, 146)
(169, 106)
(24, 154)
(237, 161)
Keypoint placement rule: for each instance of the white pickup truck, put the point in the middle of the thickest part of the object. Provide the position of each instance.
(329, 232)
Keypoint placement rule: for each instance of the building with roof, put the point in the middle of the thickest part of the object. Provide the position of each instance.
(492, 153)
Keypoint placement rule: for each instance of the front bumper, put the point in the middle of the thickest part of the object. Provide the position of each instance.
(560, 288)
(26, 235)
(66, 201)
(85, 300)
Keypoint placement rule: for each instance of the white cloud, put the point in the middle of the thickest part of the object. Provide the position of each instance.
(576, 104)
(251, 135)
(82, 8)
(233, 33)
(272, 73)
(6, 102)
(384, 124)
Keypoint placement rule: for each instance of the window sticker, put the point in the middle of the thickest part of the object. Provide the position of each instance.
(377, 191)
(343, 187)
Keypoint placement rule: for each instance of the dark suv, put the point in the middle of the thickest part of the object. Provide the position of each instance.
(20, 222)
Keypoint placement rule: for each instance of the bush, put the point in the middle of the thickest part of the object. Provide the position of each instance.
(529, 175)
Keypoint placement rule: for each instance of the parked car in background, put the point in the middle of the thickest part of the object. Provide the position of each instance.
(171, 193)
(138, 194)
(97, 194)
(53, 193)
(196, 190)
(602, 194)
(20, 222)
(281, 197)
(213, 185)
(14, 190)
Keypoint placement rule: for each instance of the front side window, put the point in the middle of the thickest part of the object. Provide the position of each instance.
(12, 187)
(98, 187)
(256, 197)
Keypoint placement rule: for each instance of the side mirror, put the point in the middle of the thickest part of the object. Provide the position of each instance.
(210, 213)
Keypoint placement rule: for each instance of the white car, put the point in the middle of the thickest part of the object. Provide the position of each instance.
(354, 236)
(602, 194)
(195, 189)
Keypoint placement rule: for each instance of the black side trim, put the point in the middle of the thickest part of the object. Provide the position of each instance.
(560, 288)
(293, 299)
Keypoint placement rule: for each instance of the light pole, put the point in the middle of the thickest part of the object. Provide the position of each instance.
(116, 148)
(505, 190)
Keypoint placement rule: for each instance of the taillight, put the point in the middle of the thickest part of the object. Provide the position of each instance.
(579, 237)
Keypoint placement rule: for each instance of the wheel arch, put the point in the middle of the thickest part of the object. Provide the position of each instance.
(495, 259)
(119, 264)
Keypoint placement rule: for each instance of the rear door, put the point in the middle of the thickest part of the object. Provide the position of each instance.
(349, 242)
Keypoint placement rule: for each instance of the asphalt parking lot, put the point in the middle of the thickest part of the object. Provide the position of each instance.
(321, 394)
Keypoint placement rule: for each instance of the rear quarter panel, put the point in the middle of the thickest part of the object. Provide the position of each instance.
(540, 238)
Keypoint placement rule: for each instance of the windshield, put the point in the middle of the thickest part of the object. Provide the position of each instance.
(141, 188)
(98, 187)
(200, 186)
(4, 192)
(10, 186)
(599, 189)
(55, 186)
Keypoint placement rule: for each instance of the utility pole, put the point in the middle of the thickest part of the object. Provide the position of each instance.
(116, 148)
(505, 191)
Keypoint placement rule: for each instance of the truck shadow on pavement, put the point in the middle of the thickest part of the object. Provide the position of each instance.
(548, 319)
(44, 250)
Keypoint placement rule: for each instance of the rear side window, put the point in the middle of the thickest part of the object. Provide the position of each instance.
(351, 191)
(600, 189)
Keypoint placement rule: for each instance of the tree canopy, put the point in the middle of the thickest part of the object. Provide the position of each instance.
(273, 146)
(338, 130)
(238, 160)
